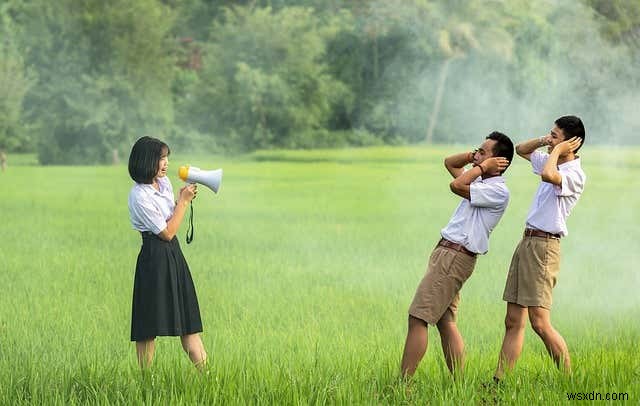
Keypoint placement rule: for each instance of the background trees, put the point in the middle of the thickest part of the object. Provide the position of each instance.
(104, 74)
(15, 81)
(263, 81)
(82, 79)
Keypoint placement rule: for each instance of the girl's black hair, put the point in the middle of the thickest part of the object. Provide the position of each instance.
(145, 158)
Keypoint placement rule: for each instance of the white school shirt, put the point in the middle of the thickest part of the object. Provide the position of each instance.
(552, 204)
(149, 209)
(474, 219)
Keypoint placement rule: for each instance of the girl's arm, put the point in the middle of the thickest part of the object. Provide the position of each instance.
(187, 194)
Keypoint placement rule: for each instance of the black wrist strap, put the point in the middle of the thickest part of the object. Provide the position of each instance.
(190, 228)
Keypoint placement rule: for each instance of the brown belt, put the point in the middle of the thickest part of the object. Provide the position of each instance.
(530, 232)
(455, 246)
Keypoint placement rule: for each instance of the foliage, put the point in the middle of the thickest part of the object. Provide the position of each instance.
(15, 81)
(82, 78)
(621, 21)
(104, 75)
(258, 87)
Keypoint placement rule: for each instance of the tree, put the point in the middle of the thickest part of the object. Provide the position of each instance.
(15, 81)
(263, 81)
(104, 75)
(620, 21)
(377, 54)
(465, 27)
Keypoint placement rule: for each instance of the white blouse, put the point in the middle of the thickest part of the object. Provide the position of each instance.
(149, 209)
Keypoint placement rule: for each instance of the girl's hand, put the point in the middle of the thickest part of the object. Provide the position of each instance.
(188, 192)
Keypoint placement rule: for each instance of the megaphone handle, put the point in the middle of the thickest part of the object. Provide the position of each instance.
(190, 228)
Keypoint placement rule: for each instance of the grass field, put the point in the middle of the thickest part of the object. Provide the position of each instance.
(305, 264)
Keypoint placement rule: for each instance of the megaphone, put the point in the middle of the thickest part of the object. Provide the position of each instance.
(211, 179)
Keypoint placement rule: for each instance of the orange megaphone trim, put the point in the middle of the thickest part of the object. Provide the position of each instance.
(183, 172)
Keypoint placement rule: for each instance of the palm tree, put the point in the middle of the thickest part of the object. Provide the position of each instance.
(468, 26)
(454, 43)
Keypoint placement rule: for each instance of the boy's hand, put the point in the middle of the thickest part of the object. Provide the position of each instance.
(471, 156)
(495, 165)
(568, 146)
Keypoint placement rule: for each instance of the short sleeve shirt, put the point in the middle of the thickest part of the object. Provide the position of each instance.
(474, 219)
(149, 209)
(552, 204)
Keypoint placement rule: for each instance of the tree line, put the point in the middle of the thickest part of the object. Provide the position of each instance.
(82, 79)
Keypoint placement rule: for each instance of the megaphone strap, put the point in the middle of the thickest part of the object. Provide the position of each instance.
(190, 228)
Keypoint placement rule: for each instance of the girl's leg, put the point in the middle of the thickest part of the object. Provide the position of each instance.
(145, 350)
(192, 345)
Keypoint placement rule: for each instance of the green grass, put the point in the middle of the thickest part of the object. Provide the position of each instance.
(305, 264)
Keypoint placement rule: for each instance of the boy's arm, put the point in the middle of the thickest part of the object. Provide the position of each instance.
(462, 184)
(550, 173)
(456, 163)
(526, 148)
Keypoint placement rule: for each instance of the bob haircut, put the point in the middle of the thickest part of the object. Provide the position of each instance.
(145, 158)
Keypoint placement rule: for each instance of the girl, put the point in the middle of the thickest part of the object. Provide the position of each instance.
(164, 298)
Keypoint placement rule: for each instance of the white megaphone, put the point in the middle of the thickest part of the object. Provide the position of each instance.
(211, 179)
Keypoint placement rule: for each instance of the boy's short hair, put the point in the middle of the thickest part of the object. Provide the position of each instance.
(145, 158)
(503, 147)
(571, 126)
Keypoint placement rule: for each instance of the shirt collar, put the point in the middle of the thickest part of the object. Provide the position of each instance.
(569, 164)
(162, 186)
(493, 179)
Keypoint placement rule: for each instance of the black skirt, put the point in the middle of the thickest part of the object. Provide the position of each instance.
(164, 298)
